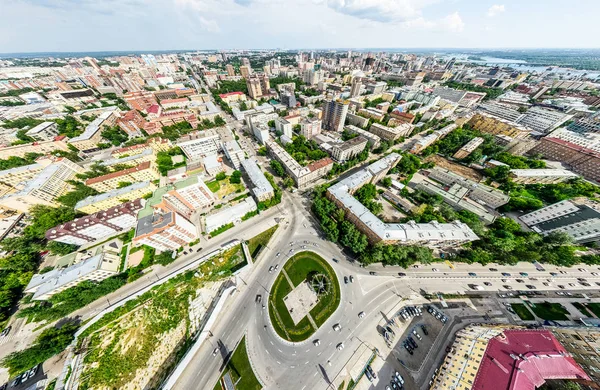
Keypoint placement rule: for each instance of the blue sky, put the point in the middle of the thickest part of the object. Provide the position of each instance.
(103, 25)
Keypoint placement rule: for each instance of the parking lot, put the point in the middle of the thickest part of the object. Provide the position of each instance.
(433, 327)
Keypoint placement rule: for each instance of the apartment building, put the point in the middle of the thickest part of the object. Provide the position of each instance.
(589, 124)
(254, 86)
(468, 148)
(101, 202)
(302, 176)
(188, 197)
(234, 153)
(579, 159)
(486, 195)
(132, 123)
(428, 140)
(541, 176)
(284, 126)
(164, 230)
(104, 263)
(496, 126)
(134, 160)
(43, 147)
(373, 140)
(583, 343)
(543, 120)
(391, 133)
(432, 234)
(357, 120)
(146, 171)
(16, 178)
(334, 114)
(225, 216)
(309, 127)
(259, 125)
(155, 144)
(348, 149)
(98, 226)
(372, 113)
(169, 118)
(140, 100)
(505, 357)
(579, 218)
(43, 132)
(198, 145)
(585, 140)
(92, 134)
(261, 187)
(233, 97)
(43, 188)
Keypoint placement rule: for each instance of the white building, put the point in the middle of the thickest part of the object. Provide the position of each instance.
(284, 126)
(262, 188)
(44, 131)
(229, 215)
(189, 196)
(373, 139)
(347, 150)
(541, 176)
(586, 140)
(212, 165)
(164, 230)
(234, 153)
(309, 127)
(44, 188)
(104, 264)
(428, 234)
(391, 133)
(201, 145)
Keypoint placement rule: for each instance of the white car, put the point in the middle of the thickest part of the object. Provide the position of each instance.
(340, 346)
(337, 327)
(435, 269)
(317, 342)
(361, 314)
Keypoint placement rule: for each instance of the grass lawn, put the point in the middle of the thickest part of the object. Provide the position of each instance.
(239, 368)
(581, 307)
(225, 188)
(522, 311)
(213, 185)
(298, 268)
(261, 240)
(551, 311)
(595, 308)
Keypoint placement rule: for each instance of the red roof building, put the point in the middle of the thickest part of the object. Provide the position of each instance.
(523, 359)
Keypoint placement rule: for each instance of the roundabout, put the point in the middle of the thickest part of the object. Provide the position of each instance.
(304, 295)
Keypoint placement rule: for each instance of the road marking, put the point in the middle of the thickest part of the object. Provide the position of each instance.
(315, 374)
(259, 337)
(279, 350)
(292, 366)
(304, 387)
(308, 350)
(278, 362)
(267, 351)
(271, 342)
(319, 353)
(306, 362)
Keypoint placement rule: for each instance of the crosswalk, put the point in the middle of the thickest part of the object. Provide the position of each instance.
(8, 338)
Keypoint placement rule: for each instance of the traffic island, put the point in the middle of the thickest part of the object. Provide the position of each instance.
(303, 297)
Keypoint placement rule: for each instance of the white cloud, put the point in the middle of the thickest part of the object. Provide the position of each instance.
(380, 10)
(495, 10)
(453, 22)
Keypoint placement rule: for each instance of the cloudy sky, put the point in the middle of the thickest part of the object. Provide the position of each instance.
(106, 25)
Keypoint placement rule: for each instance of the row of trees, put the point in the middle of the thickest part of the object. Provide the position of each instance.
(304, 151)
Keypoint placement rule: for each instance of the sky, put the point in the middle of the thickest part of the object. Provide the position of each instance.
(131, 25)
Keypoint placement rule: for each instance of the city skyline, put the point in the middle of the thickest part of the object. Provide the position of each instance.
(59, 26)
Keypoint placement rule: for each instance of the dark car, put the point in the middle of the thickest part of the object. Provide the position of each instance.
(401, 274)
(424, 329)
(372, 273)
(472, 274)
(523, 274)
(505, 274)
(530, 286)
(345, 280)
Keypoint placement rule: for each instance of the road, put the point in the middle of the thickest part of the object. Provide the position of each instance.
(283, 365)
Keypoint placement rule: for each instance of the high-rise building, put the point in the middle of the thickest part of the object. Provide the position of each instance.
(253, 83)
(245, 71)
(230, 70)
(334, 114)
(265, 83)
(310, 127)
(356, 86)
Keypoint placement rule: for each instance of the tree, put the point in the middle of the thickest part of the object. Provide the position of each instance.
(236, 177)
(115, 135)
(288, 182)
(386, 182)
(277, 168)
(352, 238)
(262, 151)
(221, 176)
(219, 121)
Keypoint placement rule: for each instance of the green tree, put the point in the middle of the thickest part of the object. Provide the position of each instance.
(352, 238)
(221, 176)
(386, 182)
(115, 135)
(236, 177)
(277, 168)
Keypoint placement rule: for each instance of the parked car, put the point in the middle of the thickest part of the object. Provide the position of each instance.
(337, 327)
